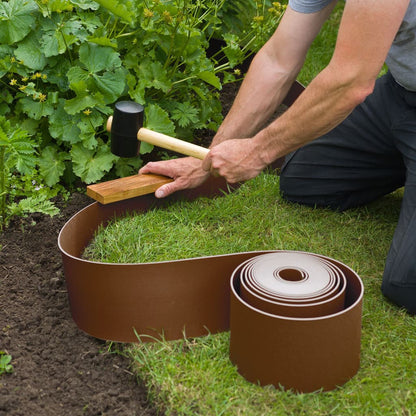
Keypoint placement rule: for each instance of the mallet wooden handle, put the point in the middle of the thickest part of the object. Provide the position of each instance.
(167, 142)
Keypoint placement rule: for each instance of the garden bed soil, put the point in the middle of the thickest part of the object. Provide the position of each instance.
(57, 369)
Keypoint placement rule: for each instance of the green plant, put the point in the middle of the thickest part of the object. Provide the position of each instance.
(63, 64)
(5, 360)
(18, 159)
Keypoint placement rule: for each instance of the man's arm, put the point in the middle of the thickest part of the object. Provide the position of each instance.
(271, 74)
(366, 32)
(268, 80)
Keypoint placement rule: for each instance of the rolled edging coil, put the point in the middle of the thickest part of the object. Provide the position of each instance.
(295, 321)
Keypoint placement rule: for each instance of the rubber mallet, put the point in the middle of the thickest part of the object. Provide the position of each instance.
(127, 131)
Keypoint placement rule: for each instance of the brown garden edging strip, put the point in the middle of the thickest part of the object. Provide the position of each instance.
(316, 347)
(193, 297)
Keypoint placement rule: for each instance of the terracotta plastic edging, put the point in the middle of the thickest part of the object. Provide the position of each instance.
(194, 297)
(318, 348)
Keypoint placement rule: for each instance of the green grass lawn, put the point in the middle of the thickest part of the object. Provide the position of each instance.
(195, 376)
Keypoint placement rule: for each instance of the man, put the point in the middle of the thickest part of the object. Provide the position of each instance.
(354, 135)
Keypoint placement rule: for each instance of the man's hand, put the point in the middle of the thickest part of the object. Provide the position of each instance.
(186, 173)
(236, 160)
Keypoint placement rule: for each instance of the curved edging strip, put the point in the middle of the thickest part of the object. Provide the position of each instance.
(194, 297)
(110, 301)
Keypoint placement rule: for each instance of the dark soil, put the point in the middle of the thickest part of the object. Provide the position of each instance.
(57, 369)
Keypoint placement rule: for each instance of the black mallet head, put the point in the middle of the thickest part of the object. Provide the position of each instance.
(126, 127)
(125, 123)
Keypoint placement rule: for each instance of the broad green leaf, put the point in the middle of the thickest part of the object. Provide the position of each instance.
(4, 108)
(16, 20)
(145, 148)
(99, 58)
(89, 165)
(88, 125)
(86, 4)
(59, 34)
(6, 96)
(89, 139)
(150, 74)
(51, 165)
(158, 120)
(52, 44)
(35, 109)
(210, 78)
(104, 74)
(57, 74)
(78, 79)
(29, 52)
(62, 125)
(91, 22)
(111, 84)
(117, 8)
(82, 102)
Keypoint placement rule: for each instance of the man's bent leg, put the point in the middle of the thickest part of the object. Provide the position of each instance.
(358, 162)
(399, 279)
(353, 164)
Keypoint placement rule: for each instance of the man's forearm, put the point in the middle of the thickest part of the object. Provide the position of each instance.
(261, 92)
(325, 103)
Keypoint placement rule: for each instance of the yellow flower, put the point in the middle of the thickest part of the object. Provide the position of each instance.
(44, 76)
(13, 82)
(167, 16)
(12, 59)
(25, 79)
(87, 112)
(41, 97)
(237, 71)
(147, 13)
(258, 18)
(22, 87)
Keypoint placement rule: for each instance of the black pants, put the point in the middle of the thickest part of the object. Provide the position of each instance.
(372, 153)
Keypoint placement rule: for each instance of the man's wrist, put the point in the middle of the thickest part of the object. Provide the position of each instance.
(264, 147)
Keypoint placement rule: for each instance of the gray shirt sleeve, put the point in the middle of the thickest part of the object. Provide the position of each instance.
(308, 6)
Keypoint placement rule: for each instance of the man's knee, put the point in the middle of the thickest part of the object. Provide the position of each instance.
(402, 296)
(300, 187)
